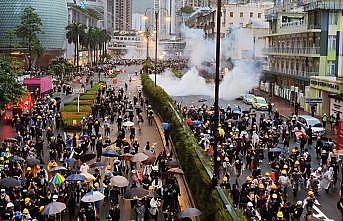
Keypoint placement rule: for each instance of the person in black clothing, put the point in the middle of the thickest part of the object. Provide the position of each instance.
(114, 213)
(309, 134)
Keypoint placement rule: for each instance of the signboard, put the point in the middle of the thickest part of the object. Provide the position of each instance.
(336, 106)
(79, 90)
(314, 100)
(328, 86)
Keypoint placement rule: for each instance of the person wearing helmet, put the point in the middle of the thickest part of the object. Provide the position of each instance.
(297, 210)
(26, 215)
(279, 216)
(284, 181)
(309, 201)
(250, 212)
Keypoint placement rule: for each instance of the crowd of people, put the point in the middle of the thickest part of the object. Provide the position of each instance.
(40, 168)
(246, 140)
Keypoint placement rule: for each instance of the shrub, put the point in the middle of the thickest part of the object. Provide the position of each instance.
(73, 108)
(207, 198)
(88, 97)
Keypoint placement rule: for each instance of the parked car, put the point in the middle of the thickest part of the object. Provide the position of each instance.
(259, 103)
(247, 98)
(317, 128)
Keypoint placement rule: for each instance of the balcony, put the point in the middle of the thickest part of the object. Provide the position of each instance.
(307, 52)
(291, 72)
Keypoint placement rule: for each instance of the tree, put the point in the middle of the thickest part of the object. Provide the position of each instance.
(10, 90)
(75, 33)
(28, 30)
(61, 68)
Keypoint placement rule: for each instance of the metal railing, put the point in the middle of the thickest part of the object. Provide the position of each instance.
(294, 72)
(306, 50)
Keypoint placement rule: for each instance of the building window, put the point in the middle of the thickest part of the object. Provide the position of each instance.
(231, 14)
(331, 68)
(332, 42)
(332, 18)
(251, 14)
(259, 15)
(241, 14)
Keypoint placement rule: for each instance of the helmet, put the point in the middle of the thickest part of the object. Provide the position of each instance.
(151, 187)
(274, 196)
(294, 150)
(28, 168)
(310, 193)
(248, 178)
(25, 211)
(225, 178)
(250, 204)
(54, 164)
(284, 172)
(324, 151)
(273, 187)
(279, 214)
(261, 186)
(96, 185)
(267, 174)
(285, 166)
(319, 168)
(27, 200)
(109, 167)
(9, 205)
(299, 203)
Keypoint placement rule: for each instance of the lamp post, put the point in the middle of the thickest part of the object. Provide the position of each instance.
(216, 100)
(156, 14)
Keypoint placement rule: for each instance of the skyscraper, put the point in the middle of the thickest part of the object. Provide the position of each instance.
(122, 15)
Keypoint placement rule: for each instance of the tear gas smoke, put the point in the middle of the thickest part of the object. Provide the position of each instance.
(243, 77)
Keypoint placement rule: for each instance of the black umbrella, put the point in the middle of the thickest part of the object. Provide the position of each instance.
(87, 157)
(32, 161)
(136, 193)
(110, 153)
(9, 182)
(97, 164)
(17, 158)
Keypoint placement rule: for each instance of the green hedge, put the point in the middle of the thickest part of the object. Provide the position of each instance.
(177, 73)
(207, 198)
(69, 111)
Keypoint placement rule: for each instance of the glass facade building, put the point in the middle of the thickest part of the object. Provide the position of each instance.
(54, 16)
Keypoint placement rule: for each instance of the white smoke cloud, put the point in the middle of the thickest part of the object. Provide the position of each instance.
(243, 77)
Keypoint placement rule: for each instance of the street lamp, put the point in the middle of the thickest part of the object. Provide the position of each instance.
(156, 12)
(216, 99)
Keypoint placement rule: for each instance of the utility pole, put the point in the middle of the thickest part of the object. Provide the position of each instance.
(216, 99)
(156, 39)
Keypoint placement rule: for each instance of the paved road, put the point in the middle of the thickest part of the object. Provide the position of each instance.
(327, 210)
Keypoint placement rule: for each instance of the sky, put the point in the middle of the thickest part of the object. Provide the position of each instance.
(141, 5)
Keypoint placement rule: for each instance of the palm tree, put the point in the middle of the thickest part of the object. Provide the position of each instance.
(75, 31)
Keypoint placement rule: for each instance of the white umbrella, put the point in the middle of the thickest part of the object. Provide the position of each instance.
(128, 124)
(88, 176)
(119, 181)
(54, 208)
(190, 212)
(92, 197)
(139, 157)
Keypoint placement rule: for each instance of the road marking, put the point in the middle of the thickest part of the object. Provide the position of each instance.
(320, 215)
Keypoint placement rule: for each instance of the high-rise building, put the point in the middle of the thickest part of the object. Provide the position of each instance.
(138, 22)
(305, 57)
(122, 15)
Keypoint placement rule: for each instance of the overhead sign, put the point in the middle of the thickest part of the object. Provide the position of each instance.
(79, 90)
(314, 100)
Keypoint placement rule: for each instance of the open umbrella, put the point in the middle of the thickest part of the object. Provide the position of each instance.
(151, 156)
(202, 100)
(11, 140)
(32, 161)
(128, 124)
(88, 176)
(139, 157)
(110, 153)
(87, 157)
(57, 179)
(92, 197)
(172, 163)
(190, 212)
(17, 158)
(196, 123)
(126, 156)
(54, 208)
(176, 171)
(119, 181)
(165, 126)
(136, 193)
(58, 168)
(69, 160)
(97, 164)
(9, 182)
(76, 177)
(276, 150)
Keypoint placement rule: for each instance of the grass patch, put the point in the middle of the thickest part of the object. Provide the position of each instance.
(177, 73)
